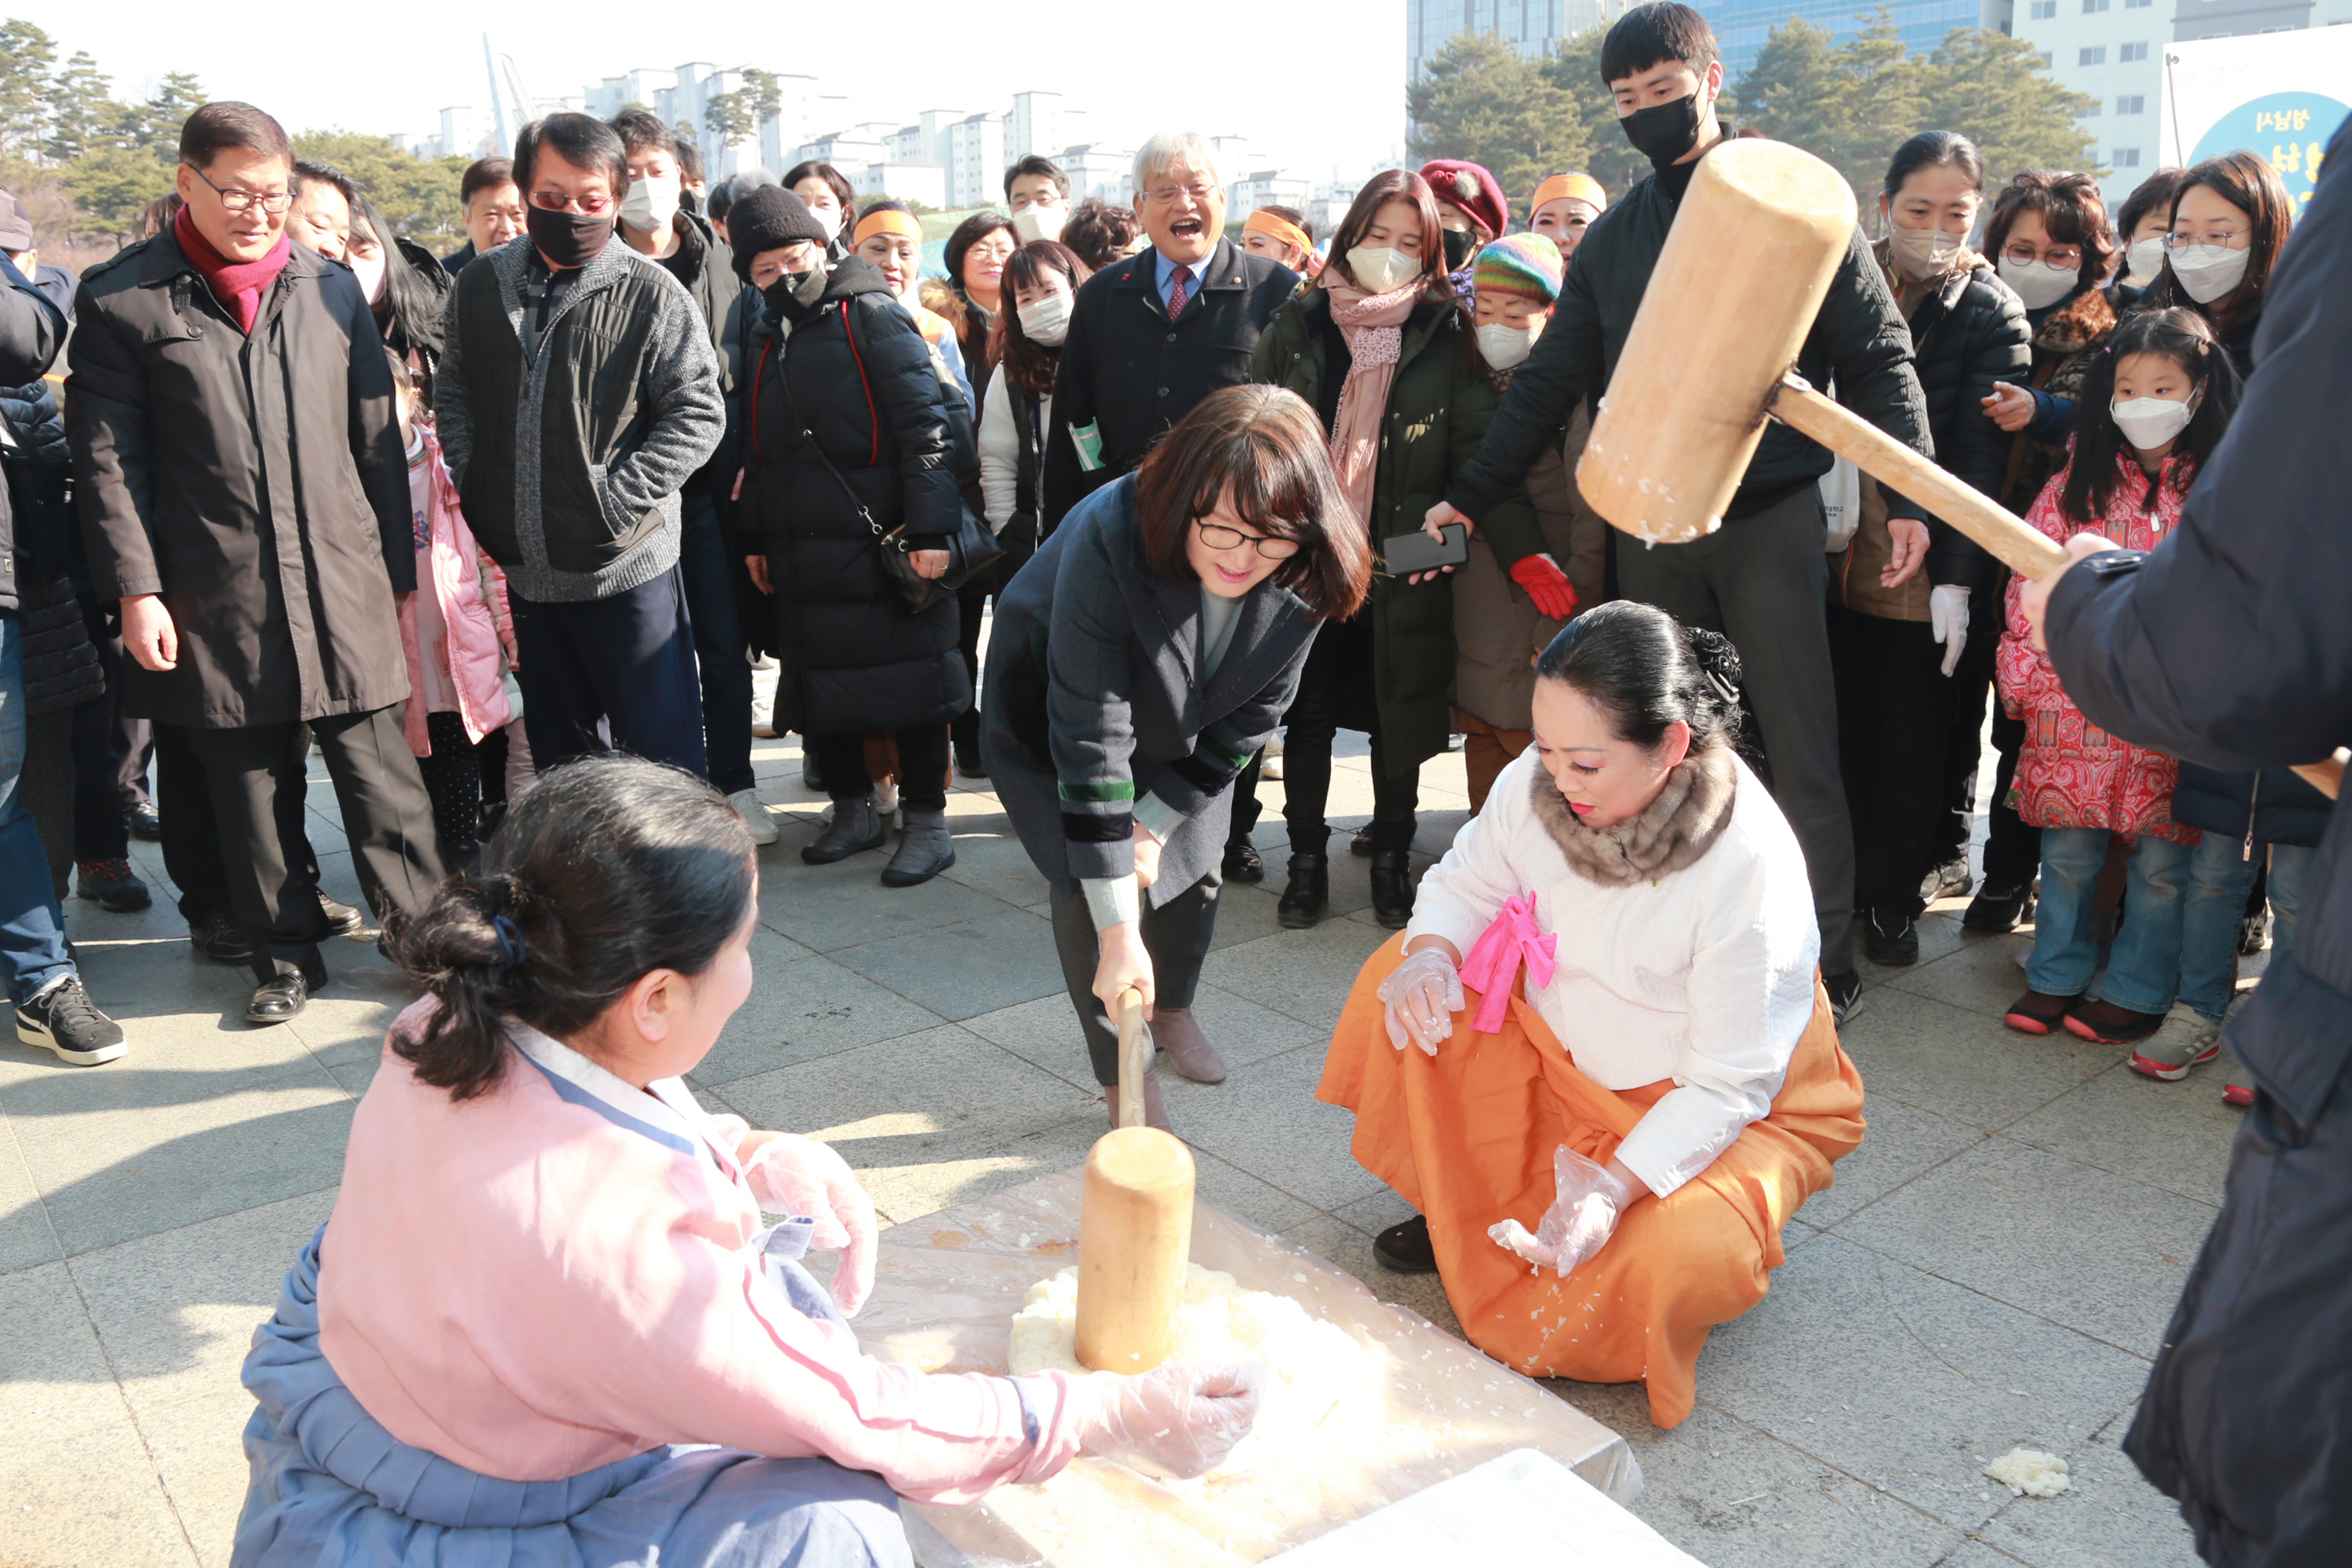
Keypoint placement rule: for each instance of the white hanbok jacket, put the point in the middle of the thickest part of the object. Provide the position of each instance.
(1703, 974)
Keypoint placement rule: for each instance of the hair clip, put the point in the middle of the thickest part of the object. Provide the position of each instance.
(510, 940)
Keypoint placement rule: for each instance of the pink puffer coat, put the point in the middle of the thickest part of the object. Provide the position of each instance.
(470, 653)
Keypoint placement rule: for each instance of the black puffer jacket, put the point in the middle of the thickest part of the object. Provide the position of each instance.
(851, 365)
(1858, 337)
(1968, 334)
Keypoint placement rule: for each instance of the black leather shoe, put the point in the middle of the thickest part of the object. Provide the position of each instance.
(144, 821)
(811, 777)
(968, 763)
(1891, 939)
(2000, 905)
(220, 939)
(285, 994)
(1392, 887)
(1406, 1248)
(1243, 863)
(1309, 890)
(1360, 842)
(342, 918)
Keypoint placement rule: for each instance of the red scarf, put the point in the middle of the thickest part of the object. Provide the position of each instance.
(239, 284)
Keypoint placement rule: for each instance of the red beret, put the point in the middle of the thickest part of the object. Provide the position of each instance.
(1470, 187)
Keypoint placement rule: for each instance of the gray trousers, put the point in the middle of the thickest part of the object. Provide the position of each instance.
(1763, 582)
(1176, 935)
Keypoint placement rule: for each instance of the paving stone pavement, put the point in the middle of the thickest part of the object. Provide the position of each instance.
(1994, 1266)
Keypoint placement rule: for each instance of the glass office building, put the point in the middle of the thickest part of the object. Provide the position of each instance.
(1741, 26)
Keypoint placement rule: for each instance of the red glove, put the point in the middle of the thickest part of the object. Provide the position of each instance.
(1547, 585)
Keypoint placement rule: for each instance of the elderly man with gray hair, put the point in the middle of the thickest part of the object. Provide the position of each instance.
(1150, 336)
(1155, 333)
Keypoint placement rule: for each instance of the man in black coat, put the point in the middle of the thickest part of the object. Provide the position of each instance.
(492, 203)
(1150, 336)
(1761, 578)
(1131, 365)
(2230, 646)
(237, 461)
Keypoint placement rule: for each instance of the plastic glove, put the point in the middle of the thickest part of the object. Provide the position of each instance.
(1423, 995)
(1947, 617)
(1547, 585)
(1177, 1420)
(1587, 1200)
(792, 1174)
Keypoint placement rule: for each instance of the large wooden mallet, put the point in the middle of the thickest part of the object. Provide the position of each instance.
(1760, 231)
(1135, 1233)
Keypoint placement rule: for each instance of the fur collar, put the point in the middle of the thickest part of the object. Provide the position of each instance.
(1667, 835)
(2085, 321)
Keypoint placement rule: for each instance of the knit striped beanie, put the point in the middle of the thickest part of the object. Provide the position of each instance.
(1527, 266)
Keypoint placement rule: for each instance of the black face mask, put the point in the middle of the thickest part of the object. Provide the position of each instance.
(568, 239)
(1461, 244)
(1664, 132)
(794, 295)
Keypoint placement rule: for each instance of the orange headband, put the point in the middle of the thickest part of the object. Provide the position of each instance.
(1584, 187)
(887, 223)
(1283, 229)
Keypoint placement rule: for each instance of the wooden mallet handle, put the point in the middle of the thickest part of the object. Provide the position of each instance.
(1134, 1058)
(2025, 551)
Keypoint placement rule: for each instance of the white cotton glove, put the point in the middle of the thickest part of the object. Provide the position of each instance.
(792, 1174)
(1423, 995)
(1947, 617)
(1587, 1200)
(1178, 1421)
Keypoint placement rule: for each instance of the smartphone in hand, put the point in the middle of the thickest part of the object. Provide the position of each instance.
(1402, 555)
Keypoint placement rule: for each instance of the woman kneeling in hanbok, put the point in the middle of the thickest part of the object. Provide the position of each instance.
(545, 1327)
(1603, 1163)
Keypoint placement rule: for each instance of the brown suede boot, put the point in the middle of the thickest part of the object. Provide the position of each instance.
(1155, 1111)
(1178, 1034)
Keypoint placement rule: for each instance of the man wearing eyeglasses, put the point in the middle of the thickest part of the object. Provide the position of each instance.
(245, 496)
(577, 394)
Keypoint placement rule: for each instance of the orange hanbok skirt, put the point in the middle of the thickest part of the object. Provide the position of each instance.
(1466, 1137)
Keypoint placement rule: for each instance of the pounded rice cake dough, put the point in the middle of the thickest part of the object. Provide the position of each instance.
(1313, 1364)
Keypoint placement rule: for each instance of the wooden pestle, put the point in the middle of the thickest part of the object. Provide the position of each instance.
(1135, 1233)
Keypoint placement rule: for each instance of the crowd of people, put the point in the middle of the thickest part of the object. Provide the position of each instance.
(505, 536)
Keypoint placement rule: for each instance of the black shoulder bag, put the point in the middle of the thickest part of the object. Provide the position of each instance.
(971, 549)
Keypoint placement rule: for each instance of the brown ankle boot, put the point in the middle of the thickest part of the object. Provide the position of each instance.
(1155, 1111)
(1178, 1034)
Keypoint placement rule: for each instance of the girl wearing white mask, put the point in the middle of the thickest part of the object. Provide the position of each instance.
(1383, 351)
(1040, 285)
(1911, 681)
(2149, 415)
(2229, 219)
(404, 283)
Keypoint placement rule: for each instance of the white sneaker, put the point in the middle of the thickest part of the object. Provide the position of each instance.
(885, 800)
(1270, 763)
(755, 816)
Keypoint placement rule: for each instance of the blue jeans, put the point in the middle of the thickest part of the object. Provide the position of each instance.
(2290, 867)
(32, 931)
(2180, 936)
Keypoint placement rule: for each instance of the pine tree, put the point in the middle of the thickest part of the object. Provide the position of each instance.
(82, 110)
(1992, 88)
(27, 57)
(1480, 99)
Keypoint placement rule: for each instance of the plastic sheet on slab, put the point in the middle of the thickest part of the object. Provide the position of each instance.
(946, 1288)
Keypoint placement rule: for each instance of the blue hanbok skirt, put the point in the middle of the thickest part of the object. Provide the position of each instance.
(330, 1486)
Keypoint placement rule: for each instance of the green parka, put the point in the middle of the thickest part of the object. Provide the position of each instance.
(1440, 402)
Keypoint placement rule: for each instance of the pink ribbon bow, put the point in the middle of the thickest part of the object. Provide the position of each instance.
(1494, 961)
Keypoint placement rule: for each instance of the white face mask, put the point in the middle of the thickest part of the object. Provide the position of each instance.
(1925, 253)
(2038, 282)
(651, 202)
(1034, 223)
(1047, 320)
(2146, 258)
(369, 270)
(2149, 422)
(1505, 347)
(1380, 268)
(2210, 271)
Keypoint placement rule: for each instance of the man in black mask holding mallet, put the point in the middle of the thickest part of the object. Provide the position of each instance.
(1761, 579)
